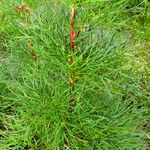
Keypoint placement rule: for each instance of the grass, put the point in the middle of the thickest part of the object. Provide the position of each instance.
(110, 65)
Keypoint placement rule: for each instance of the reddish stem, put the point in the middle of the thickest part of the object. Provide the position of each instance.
(71, 45)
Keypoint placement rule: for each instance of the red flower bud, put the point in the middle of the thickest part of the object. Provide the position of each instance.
(71, 21)
(18, 8)
(23, 7)
(72, 35)
(71, 44)
(33, 54)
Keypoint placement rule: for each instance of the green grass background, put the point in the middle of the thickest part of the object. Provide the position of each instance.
(111, 67)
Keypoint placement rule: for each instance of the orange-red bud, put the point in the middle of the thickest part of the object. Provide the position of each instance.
(18, 8)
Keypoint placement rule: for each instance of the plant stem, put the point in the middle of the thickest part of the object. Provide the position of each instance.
(72, 37)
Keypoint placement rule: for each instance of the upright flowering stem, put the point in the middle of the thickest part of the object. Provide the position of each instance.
(71, 45)
(70, 59)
